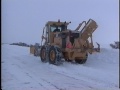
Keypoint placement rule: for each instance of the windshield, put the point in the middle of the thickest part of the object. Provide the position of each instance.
(52, 28)
(59, 28)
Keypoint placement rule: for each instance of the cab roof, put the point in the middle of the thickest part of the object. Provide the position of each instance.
(57, 23)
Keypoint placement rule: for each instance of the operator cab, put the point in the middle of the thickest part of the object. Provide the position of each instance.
(57, 26)
(55, 30)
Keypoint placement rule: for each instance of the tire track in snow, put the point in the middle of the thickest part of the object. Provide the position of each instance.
(62, 74)
(78, 80)
(31, 72)
(86, 79)
(24, 64)
(70, 77)
(53, 85)
(27, 74)
(36, 79)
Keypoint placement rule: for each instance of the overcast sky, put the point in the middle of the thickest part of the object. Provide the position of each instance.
(23, 20)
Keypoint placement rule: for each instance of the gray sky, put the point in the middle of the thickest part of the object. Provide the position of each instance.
(23, 20)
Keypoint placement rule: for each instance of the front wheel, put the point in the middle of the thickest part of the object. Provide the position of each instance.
(35, 52)
(54, 55)
(43, 54)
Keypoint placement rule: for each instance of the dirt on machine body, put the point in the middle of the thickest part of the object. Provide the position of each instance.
(59, 42)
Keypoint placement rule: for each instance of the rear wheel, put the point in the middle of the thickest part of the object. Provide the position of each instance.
(35, 52)
(43, 54)
(54, 55)
(81, 61)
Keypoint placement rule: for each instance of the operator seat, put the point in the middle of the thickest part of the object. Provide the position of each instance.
(56, 30)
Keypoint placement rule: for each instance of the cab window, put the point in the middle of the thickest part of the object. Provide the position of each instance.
(52, 28)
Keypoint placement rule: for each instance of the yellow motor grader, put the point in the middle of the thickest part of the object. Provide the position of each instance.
(58, 42)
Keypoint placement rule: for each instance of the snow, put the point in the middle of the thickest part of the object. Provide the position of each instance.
(23, 71)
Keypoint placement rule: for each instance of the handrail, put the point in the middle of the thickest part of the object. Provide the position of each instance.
(80, 25)
(42, 36)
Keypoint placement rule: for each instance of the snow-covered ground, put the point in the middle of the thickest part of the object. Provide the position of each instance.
(23, 71)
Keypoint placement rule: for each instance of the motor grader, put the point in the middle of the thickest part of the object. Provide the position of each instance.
(58, 42)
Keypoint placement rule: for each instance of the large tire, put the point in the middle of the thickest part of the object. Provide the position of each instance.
(52, 55)
(81, 61)
(35, 52)
(43, 54)
(54, 58)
